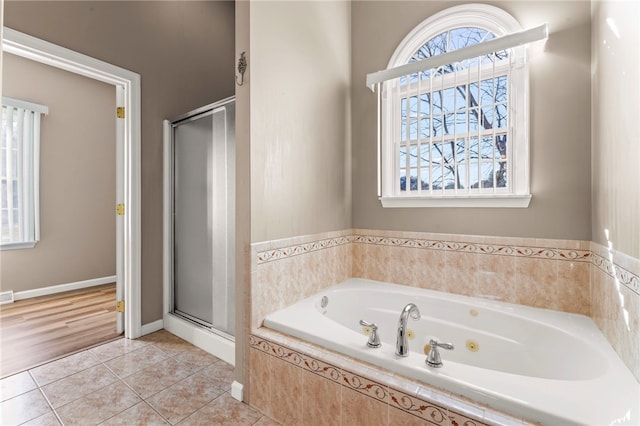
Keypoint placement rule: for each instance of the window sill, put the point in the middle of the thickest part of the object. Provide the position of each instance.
(18, 246)
(464, 201)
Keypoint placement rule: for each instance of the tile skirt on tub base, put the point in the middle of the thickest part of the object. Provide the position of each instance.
(296, 382)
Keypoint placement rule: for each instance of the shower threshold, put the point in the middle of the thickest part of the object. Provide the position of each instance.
(203, 324)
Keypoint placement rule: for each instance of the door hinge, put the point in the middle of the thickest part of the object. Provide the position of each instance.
(120, 112)
(120, 306)
(120, 209)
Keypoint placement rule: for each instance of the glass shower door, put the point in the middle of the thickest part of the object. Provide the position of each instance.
(203, 216)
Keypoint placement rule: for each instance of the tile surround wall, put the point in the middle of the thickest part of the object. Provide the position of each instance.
(573, 276)
(615, 301)
(288, 270)
(552, 274)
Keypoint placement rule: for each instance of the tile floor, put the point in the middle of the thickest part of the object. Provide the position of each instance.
(158, 379)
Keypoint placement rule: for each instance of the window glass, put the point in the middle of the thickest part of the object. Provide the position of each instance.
(18, 167)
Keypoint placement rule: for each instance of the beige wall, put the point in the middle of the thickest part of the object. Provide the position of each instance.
(300, 118)
(184, 52)
(559, 138)
(1, 33)
(616, 125)
(77, 178)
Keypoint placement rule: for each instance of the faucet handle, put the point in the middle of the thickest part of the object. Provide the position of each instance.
(435, 343)
(374, 339)
(433, 358)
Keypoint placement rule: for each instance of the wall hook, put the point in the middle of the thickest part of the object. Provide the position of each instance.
(242, 67)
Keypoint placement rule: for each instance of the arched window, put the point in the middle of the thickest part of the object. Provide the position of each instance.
(457, 134)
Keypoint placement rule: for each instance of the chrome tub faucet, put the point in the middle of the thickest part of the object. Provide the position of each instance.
(402, 343)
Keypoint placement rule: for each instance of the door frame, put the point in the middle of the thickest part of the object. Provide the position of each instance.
(128, 225)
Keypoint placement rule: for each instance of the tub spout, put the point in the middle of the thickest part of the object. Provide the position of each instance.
(402, 343)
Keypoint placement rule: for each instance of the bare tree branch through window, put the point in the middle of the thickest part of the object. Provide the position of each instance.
(453, 131)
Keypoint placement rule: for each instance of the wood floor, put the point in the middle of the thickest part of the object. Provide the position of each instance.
(41, 329)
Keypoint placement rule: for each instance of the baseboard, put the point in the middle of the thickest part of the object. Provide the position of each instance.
(6, 297)
(44, 291)
(236, 390)
(151, 327)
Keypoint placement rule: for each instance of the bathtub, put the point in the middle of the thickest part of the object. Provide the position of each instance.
(546, 366)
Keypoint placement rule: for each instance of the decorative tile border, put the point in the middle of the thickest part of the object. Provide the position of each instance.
(467, 247)
(296, 250)
(365, 386)
(457, 246)
(313, 365)
(425, 410)
(624, 277)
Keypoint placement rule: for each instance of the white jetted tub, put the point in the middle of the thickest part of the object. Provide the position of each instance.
(547, 366)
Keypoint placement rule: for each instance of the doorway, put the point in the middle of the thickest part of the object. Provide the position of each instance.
(65, 186)
(128, 220)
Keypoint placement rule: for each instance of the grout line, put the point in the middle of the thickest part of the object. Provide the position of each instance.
(100, 362)
(144, 399)
(53, 410)
(198, 369)
(205, 404)
(155, 410)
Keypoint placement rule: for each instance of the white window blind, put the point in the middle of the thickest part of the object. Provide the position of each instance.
(450, 127)
(19, 173)
(446, 118)
(501, 43)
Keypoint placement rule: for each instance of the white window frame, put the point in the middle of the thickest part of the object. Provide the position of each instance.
(28, 173)
(500, 23)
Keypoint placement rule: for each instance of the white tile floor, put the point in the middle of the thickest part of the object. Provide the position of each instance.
(156, 380)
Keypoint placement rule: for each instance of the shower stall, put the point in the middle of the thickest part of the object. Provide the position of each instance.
(199, 227)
